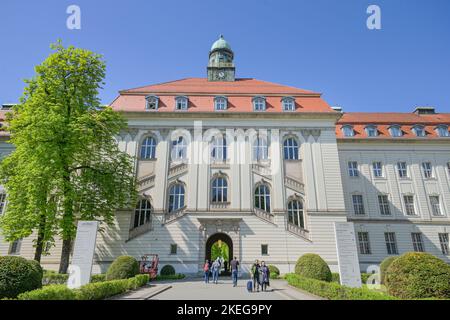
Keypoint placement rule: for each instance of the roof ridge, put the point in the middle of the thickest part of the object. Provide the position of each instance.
(158, 84)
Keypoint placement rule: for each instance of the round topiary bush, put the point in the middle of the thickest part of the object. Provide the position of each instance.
(384, 266)
(417, 275)
(313, 266)
(18, 275)
(123, 267)
(273, 269)
(168, 270)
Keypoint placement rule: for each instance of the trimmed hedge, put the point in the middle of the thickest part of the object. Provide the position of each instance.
(98, 278)
(168, 270)
(384, 266)
(334, 291)
(18, 275)
(311, 265)
(418, 275)
(92, 291)
(52, 277)
(124, 267)
(178, 276)
(337, 278)
(274, 269)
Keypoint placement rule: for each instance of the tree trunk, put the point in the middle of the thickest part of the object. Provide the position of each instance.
(40, 240)
(65, 256)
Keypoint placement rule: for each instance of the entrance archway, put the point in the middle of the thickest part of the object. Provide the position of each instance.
(219, 242)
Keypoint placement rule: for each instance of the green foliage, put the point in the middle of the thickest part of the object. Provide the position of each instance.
(384, 267)
(51, 277)
(168, 270)
(98, 278)
(335, 277)
(18, 275)
(417, 275)
(365, 277)
(334, 291)
(123, 267)
(50, 292)
(220, 251)
(313, 266)
(178, 276)
(274, 269)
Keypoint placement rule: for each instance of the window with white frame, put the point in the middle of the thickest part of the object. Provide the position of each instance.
(151, 103)
(260, 149)
(442, 131)
(262, 197)
(395, 131)
(264, 249)
(391, 242)
(435, 206)
(409, 205)
(288, 104)
(179, 149)
(348, 131)
(419, 131)
(353, 169)
(444, 241)
(417, 241)
(2, 202)
(290, 149)
(148, 148)
(383, 203)
(181, 103)
(220, 103)
(364, 243)
(219, 149)
(371, 131)
(14, 248)
(176, 197)
(358, 204)
(295, 213)
(402, 170)
(219, 190)
(427, 170)
(259, 104)
(142, 213)
(377, 168)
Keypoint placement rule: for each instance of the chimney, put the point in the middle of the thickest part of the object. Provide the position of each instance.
(337, 108)
(424, 110)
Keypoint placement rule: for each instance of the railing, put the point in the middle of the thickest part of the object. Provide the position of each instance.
(172, 216)
(219, 205)
(262, 170)
(267, 216)
(146, 182)
(294, 184)
(298, 230)
(177, 169)
(135, 232)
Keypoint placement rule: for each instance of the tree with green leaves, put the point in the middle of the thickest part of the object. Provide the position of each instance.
(66, 165)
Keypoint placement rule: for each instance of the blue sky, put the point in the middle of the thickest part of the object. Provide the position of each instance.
(321, 45)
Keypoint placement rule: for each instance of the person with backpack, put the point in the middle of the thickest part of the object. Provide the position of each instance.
(206, 269)
(264, 276)
(215, 268)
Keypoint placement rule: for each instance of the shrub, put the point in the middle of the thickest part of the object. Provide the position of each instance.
(18, 275)
(313, 266)
(273, 269)
(384, 267)
(334, 291)
(178, 276)
(335, 277)
(168, 270)
(98, 278)
(123, 267)
(51, 277)
(417, 275)
(274, 275)
(50, 292)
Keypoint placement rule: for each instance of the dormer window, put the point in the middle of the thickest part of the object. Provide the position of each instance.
(259, 104)
(220, 103)
(151, 103)
(348, 131)
(181, 103)
(371, 131)
(288, 104)
(396, 131)
(442, 131)
(419, 131)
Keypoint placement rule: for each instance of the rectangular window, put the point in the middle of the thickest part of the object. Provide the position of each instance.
(435, 206)
(364, 244)
(2, 203)
(173, 249)
(358, 205)
(14, 248)
(427, 170)
(383, 202)
(353, 169)
(402, 170)
(264, 249)
(377, 169)
(409, 205)
(391, 242)
(443, 239)
(417, 242)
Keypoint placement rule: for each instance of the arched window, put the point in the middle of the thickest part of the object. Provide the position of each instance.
(142, 213)
(151, 103)
(259, 104)
(262, 197)
(371, 131)
(219, 190)
(176, 197)
(395, 131)
(419, 131)
(220, 103)
(148, 148)
(260, 149)
(348, 131)
(179, 149)
(181, 103)
(295, 213)
(291, 149)
(442, 131)
(219, 149)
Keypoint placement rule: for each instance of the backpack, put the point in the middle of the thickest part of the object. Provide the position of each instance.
(206, 267)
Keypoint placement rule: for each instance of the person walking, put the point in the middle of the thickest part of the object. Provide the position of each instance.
(255, 275)
(206, 270)
(234, 264)
(215, 270)
(265, 274)
(225, 266)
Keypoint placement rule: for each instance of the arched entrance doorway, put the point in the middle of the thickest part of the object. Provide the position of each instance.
(219, 245)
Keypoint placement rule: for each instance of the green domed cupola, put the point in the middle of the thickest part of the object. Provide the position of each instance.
(221, 66)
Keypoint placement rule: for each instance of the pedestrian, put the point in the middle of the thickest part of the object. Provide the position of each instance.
(255, 275)
(206, 271)
(234, 264)
(215, 268)
(265, 275)
(225, 266)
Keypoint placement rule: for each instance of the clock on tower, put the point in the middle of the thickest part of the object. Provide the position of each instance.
(221, 66)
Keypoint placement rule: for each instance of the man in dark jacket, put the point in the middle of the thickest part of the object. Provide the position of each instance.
(234, 264)
(255, 275)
